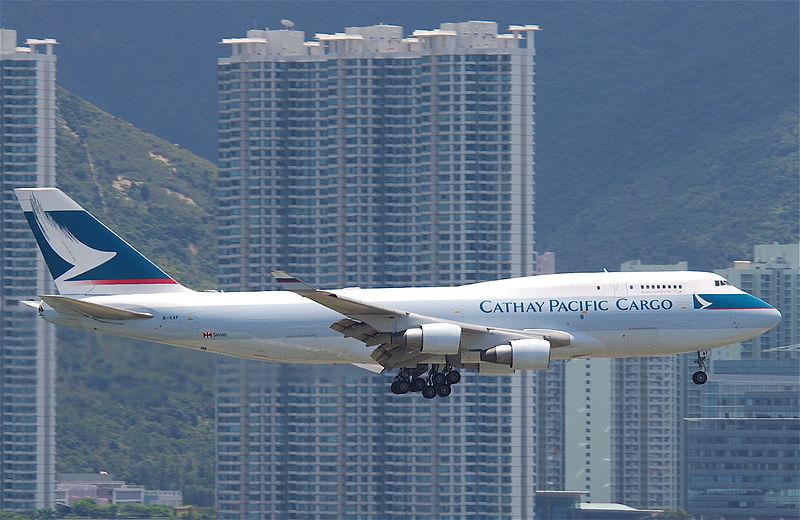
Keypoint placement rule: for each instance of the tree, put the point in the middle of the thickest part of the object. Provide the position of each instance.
(674, 514)
(8, 515)
(86, 508)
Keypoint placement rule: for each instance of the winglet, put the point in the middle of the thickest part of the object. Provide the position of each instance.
(290, 283)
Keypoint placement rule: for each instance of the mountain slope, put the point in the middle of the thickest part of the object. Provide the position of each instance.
(141, 411)
(674, 140)
(154, 194)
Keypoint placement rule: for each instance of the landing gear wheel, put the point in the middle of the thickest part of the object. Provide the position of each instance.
(438, 378)
(453, 377)
(400, 387)
(417, 384)
(429, 392)
(443, 390)
(700, 377)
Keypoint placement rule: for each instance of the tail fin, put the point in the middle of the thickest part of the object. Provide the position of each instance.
(83, 255)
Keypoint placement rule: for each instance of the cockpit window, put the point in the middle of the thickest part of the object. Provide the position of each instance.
(719, 283)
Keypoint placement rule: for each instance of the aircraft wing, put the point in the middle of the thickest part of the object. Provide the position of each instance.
(375, 325)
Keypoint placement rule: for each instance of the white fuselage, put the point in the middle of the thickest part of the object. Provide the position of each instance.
(608, 314)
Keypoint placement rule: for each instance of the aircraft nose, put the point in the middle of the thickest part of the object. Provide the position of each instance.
(773, 318)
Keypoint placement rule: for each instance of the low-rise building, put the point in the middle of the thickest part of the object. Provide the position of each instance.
(743, 452)
(104, 490)
(569, 505)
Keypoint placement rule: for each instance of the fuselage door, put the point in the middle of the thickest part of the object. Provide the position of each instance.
(620, 288)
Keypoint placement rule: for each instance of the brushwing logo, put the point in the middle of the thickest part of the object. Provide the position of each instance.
(82, 257)
(700, 303)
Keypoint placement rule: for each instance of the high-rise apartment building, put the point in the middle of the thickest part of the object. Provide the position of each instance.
(648, 399)
(366, 157)
(332, 442)
(27, 344)
(773, 276)
(373, 159)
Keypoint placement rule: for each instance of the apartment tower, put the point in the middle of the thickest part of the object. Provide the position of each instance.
(27, 344)
(368, 158)
(648, 399)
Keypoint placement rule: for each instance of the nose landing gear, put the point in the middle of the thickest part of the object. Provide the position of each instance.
(700, 377)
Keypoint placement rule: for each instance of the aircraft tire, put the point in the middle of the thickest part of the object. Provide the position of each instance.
(400, 387)
(443, 390)
(453, 377)
(438, 378)
(699, 377)
(417, 384)
(429, 392)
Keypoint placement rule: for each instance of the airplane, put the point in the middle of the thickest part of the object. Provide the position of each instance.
(425, 333)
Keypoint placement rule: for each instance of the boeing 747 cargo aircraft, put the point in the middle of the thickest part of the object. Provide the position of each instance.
(424, 333)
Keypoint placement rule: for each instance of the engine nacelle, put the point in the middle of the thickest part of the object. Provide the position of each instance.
(431, 338)
(520, 354)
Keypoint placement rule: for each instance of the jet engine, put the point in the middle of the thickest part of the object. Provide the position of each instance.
(431, 338)
(522, 354)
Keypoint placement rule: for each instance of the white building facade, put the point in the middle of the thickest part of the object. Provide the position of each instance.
(27, 344)
(587, 426)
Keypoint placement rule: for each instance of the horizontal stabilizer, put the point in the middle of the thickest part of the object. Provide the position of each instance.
(31, 303)
(67, 305)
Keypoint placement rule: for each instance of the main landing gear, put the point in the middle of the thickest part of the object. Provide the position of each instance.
(700, 377)
(438, 382)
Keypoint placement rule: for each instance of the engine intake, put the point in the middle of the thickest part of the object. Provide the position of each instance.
(431, 338)
(522, 354)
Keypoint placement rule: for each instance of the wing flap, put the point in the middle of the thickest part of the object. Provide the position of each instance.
(74, 307)
(377, 369)
(361, 331)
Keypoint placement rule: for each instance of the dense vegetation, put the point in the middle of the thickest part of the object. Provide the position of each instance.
(87, 508)
(140, 411)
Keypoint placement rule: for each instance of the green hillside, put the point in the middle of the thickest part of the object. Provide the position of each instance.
(155, 194)
(141, 411)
